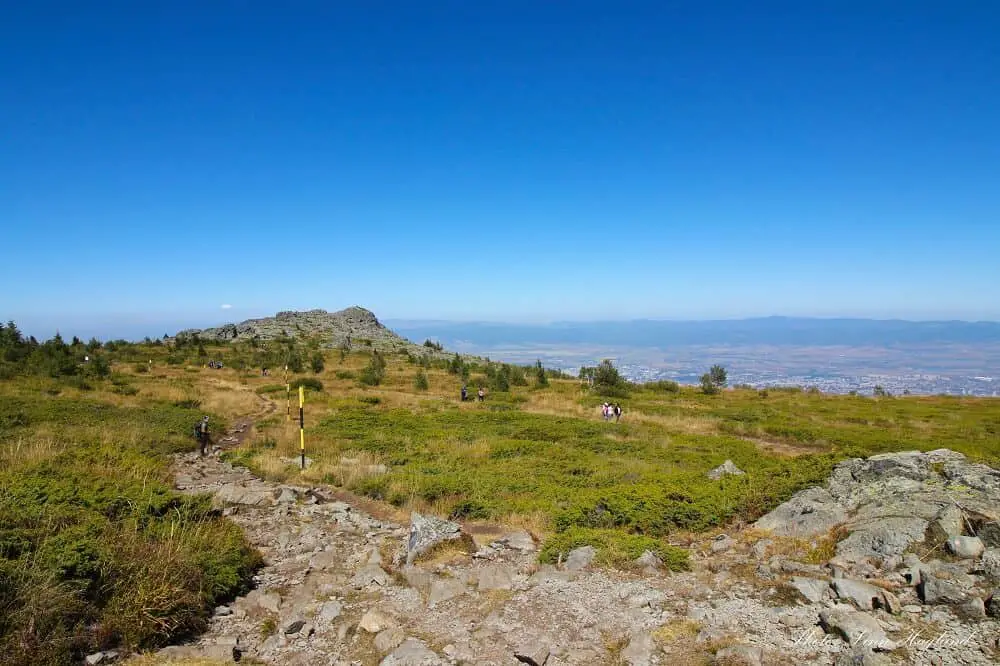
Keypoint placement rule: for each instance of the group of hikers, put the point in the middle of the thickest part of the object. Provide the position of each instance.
(611, 410)
(481, 394)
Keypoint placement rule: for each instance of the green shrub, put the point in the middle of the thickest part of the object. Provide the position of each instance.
(605, 380)
(374, 372)
(99, 367)
(420, 381)
(96, 549)
(316, 363)
(471, 510)
(376, 487)
(187, 404)
(664, 386)
(270, 388)
(541, 380)
(344, 374)
(310, 383)
(79, 383)
(498, 377)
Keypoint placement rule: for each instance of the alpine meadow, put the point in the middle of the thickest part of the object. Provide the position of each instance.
(98, 550)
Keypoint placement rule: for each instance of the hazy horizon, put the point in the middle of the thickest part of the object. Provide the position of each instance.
(135, 326)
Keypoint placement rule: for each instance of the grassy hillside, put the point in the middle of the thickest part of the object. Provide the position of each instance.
(96, 549)
(542, 457)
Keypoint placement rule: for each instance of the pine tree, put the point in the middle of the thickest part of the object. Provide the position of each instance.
(540, 377)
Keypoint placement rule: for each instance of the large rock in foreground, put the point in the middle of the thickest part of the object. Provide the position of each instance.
(886, 503)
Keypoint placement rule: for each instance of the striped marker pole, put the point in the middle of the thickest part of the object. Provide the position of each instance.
(302, 426)
(288, 399)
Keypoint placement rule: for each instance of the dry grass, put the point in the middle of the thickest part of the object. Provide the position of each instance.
(679, 423)
(677, 639)
(455, 551)
(493, 600)
(676, 630)
(154, 660)
(31, 450)
(813, 551)
(781, 448)
(538, 523)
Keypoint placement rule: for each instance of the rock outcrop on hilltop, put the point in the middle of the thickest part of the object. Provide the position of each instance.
(355, 325)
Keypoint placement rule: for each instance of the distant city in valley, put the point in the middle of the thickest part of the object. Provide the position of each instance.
(834, 356)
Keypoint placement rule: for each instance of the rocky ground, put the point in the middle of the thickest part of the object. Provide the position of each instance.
(907, 583)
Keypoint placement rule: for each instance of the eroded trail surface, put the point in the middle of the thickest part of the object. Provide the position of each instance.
(336, 590)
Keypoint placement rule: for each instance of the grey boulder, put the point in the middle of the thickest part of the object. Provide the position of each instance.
(426, 532)
(855, 627)
(580, 558)
(728, 468)
(810, 512)
(966, 546)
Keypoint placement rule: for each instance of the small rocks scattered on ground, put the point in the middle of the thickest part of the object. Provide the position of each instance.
(909, 583)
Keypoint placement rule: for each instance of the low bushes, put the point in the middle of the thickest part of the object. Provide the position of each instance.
(624, 490)
(310, 383)
(96, 549)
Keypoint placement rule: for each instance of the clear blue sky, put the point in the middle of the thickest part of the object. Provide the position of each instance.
(499, 160)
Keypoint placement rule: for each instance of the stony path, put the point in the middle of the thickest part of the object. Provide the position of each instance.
(335, 591)
(332, 594)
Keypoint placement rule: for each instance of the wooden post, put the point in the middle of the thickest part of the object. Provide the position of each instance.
(302, 426)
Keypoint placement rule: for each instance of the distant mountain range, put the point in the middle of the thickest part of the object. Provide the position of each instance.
(657, 333)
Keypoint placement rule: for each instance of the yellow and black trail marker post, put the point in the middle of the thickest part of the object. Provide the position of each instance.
(302, 426)
(288, 399)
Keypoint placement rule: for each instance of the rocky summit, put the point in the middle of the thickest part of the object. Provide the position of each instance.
(354, 326)
(909, 575)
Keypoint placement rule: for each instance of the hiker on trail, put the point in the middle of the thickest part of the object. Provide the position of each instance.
(618, 412)
(482, 394)
(203, 435)
(465, 393)
(263, 371)
(606, 411)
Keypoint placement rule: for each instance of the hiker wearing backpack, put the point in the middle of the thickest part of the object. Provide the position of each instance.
(618, 412)
(201, 431)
